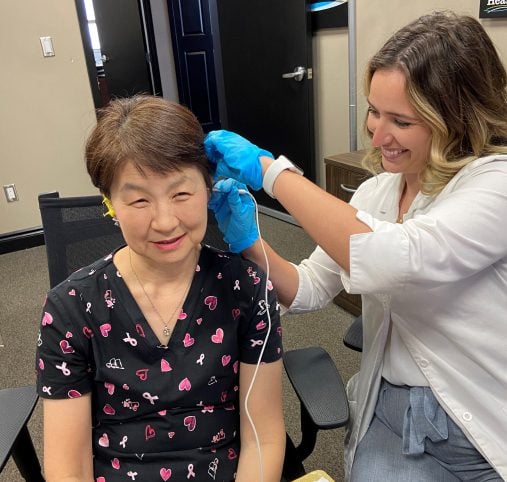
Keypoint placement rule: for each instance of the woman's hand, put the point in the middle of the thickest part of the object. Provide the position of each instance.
(236, 157)
(235, 214)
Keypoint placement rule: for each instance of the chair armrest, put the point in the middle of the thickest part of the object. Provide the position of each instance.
(16, 407)
(353, 337)
(318, 385)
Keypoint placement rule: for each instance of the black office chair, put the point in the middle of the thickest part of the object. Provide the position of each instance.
(353, 337)
(16, 408)
(76, 234)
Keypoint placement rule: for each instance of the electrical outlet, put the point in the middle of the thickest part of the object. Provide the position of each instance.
(10, 193)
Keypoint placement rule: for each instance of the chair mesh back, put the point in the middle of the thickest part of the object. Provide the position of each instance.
(76, 233)
(214, 236)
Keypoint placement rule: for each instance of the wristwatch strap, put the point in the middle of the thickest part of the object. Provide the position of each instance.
(279, 165)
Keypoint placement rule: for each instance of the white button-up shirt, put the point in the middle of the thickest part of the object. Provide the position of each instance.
(439, 281)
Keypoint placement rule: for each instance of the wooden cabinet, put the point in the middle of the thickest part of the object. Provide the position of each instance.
(343, 175)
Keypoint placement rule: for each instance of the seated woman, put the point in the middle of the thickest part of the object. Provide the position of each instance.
(146, 357)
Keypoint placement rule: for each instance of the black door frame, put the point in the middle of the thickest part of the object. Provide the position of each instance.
(150, 48)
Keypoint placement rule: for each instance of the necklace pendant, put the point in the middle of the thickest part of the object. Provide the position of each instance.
(166, 331)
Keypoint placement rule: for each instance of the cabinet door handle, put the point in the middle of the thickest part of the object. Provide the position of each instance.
(348, 188)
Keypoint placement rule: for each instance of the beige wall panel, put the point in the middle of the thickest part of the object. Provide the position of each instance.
(47, 108)
(330, 62)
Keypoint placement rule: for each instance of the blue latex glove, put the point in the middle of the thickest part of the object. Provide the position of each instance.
(235, 157)
(235, 214)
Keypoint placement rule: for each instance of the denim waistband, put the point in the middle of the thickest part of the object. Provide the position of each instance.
(423, 418)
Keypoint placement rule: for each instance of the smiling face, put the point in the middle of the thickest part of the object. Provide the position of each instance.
(163, 217)
(396, 129)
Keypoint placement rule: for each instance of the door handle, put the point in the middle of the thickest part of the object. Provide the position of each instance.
(297, 75)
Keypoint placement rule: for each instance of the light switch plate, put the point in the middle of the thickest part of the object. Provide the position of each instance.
(47, 46)
(10, 193)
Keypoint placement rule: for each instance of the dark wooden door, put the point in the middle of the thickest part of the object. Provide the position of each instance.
(260, 41)
(120, 24)
(194, 59)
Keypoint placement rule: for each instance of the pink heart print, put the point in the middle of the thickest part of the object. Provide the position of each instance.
(68, 335)
(87, 332)
(149, 432)
(73, 394)
(225, 360)
(188, 340)
(101, 479)
(171, 434)
(218, 336)
(165, 366)
(105, 329)
(190, 422)
(47, 319)
(115, 463)
(235, 366)
(211, 302)
(185, 385)
(142, 373)
(108, 410)
(109, 387)
(198, 321)
(231, 454)
(165, 474)
(235, 313)
(72, 292)
(104, 440)
(66, 347)
(140, 330)
(182, 315)
(261, 325)
(41, 364)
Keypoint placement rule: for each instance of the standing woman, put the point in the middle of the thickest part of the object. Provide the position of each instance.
(424, 242)
(146, 357)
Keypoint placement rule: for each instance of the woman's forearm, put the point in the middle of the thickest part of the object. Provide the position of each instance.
(329, 221)
(272, 463)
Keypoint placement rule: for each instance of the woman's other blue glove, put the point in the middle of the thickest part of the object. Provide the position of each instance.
(235, 214)
(235, 157)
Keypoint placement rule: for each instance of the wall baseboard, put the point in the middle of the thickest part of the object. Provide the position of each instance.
(18, 240)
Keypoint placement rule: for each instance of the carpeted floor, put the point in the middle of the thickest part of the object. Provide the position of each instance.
(24, 282)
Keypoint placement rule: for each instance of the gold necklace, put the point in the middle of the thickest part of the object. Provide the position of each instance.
(166, 331)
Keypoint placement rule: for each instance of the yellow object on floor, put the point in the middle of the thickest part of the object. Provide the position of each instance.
(315, 476)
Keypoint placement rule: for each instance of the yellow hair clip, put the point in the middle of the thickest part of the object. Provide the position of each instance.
(110, 210)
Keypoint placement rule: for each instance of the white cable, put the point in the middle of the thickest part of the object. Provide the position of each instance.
(265, 339)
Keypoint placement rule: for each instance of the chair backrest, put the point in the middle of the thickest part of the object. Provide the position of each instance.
(77, 233)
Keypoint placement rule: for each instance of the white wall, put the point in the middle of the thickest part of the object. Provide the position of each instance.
(331, 95)
(46, 108)
(163, 41)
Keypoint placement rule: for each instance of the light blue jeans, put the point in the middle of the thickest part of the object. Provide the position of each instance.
(411, 439)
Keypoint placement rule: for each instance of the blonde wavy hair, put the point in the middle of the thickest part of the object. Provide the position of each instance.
(456, 83)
